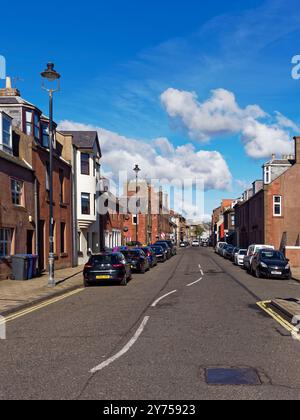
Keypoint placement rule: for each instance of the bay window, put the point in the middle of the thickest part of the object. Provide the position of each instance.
(5, 133)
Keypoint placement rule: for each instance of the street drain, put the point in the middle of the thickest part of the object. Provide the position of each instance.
(232, 376)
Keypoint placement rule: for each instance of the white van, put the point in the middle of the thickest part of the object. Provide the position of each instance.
(252, 250)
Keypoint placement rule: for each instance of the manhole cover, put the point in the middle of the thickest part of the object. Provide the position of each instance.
(232, 376)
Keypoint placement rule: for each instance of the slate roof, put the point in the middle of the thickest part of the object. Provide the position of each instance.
(84, 139)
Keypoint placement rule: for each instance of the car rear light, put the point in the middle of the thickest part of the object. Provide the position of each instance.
(118, 266)
(88, 266)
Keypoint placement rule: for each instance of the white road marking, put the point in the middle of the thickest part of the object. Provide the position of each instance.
(161, 298)
(124, 349)
(195, 282)
(201, 271)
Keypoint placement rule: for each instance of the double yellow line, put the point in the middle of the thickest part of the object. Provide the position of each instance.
(283, 322)
(19, 314)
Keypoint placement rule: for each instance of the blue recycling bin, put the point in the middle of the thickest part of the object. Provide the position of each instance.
(32, 266)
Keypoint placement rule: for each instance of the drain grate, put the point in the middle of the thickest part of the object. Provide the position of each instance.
(232, 376)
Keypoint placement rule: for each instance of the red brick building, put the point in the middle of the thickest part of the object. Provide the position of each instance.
(31, 145)
(272, 215)
(17, 206)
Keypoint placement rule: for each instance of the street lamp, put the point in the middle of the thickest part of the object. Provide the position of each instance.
(136, 170)
(53, 85)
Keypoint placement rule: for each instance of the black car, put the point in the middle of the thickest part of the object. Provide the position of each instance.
(228, 252)
(167, 249)
(171, 245)
(108, 267)
(159, 253)
(137, 260)
(268, 263)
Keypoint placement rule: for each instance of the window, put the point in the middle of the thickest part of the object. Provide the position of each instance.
(28, 119)
(85, 204)
(61, 186)
(85, 164)
(62, 238)
(16, 192)
(45, 135)
(277, 205)
(36, 122)
(5, 242)
(6, 134)
(135, 220)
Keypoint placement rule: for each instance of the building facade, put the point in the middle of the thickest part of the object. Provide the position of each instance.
(31, 145)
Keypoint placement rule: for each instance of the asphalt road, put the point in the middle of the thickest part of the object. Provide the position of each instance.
(49, 353)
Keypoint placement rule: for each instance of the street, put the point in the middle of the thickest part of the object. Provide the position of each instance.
(155, 349)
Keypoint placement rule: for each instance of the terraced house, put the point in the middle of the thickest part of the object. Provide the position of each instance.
(29, 144)
(18, 214)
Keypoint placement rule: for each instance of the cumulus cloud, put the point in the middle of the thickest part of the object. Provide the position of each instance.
(158, 158)
(221, 115)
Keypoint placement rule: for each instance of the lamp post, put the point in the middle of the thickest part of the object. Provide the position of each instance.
(53, 85)
(136, 170)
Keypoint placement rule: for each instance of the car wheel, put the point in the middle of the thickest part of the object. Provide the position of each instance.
(124, 281)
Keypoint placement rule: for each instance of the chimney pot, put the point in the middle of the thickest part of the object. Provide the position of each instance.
(8, 82)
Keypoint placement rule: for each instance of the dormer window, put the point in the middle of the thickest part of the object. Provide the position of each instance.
(268, 175)
(32, 124)
(5, 133)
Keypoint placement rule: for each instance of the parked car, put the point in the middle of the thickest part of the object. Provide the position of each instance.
(252, 250)
(183, 245)
(107, 267)
(171, 245)
(219, 247)
(223, 249)
(271, 264)
(151, 256)
(195, 244)
(167, 249)
(137, 259)
(228, 250)
(233, 253)
(159, 253)
(239, 257)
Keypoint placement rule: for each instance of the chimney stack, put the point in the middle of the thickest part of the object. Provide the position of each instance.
(273, 156)
(9, 90)
(297, 149)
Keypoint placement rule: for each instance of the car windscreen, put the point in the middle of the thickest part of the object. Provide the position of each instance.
(104, 259)
(131, 254)
(272, 255)
(243, 252)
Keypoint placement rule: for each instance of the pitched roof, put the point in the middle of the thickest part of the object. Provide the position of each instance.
(84, 139)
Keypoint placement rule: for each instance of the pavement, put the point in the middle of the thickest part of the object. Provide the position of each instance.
(17, 295)
(296, 273)
(155, 338)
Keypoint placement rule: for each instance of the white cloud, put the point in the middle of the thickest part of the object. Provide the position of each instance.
(221, 115)
(158, 158)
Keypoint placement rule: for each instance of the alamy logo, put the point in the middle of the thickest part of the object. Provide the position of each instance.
(296, 68)
(2, 67)
(2, 328)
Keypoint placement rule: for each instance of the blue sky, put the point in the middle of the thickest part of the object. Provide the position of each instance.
(117, 58)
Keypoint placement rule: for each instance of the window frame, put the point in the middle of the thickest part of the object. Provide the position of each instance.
(277, 205)
(85, 165)
(6, 241)
(89, 204)
(17, 194)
